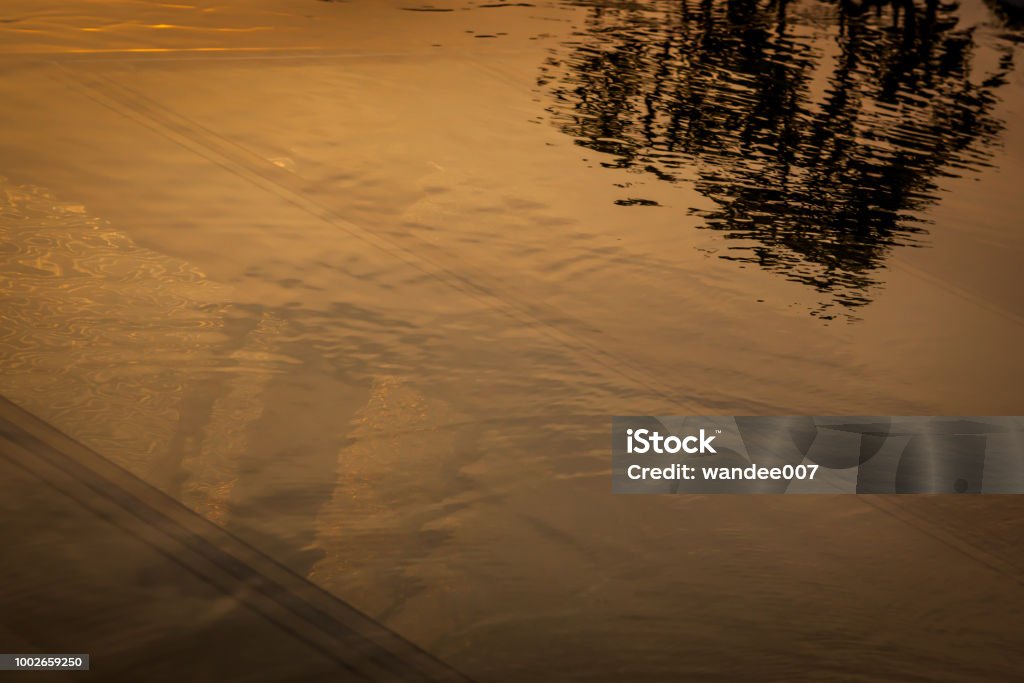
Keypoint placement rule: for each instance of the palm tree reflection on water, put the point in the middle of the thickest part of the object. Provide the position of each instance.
(819, 131)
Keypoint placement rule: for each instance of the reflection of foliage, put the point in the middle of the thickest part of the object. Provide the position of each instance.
(818, 130)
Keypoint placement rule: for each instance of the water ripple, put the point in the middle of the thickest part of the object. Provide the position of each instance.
(820, 132)
(97, 334)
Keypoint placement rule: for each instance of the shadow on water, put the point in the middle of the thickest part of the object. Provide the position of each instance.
(820, 131)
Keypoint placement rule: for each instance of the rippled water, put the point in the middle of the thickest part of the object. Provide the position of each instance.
(365, 284)
(820, 131)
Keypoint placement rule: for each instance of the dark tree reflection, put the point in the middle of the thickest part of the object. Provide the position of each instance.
(818, 129)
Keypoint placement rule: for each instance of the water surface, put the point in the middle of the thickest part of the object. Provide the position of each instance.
(365, 284)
